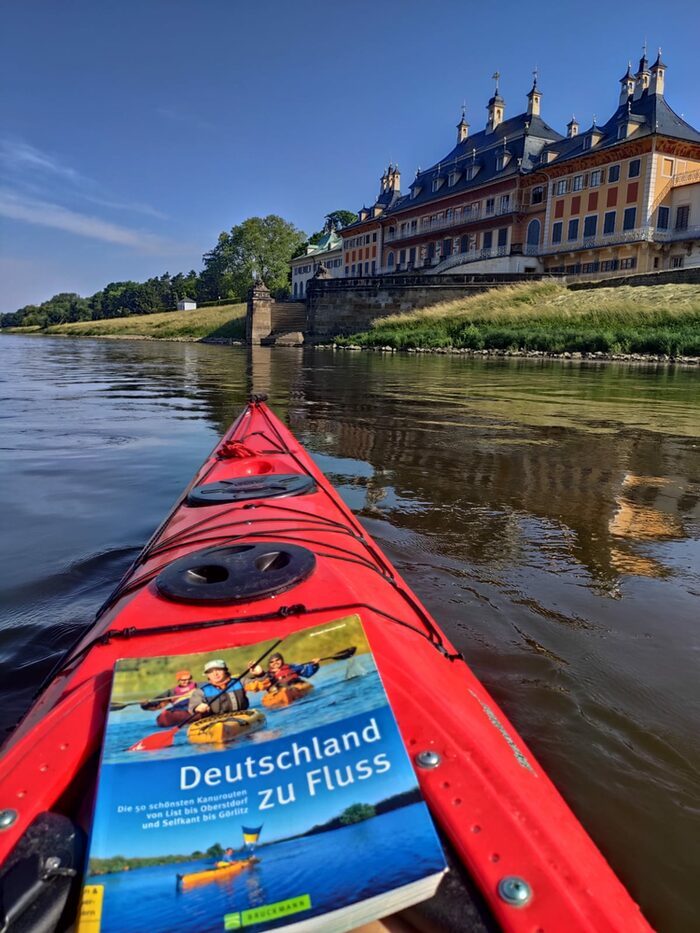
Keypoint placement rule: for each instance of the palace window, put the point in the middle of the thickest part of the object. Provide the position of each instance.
(586, 142)
(488, 239)
(676, 262)
(452, 180)
(662, 218)
(682, 214)
(578, 183)
(556, 232)
(503, 236)
(504, 203)
(562, 186)
(629, 218)
(609, 222)
(537, 195)
(573, 229)
(609, 265)
(634, 168)
(490, 205)
(414, 226)
(614, 173)
(596, 178)
(628, 263)
(464, 244)
(590, 226)
(389, 261)
(446, 248)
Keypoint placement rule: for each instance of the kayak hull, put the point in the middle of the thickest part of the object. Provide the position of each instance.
(283, 696)
(210, 875)
(493, 802)
(225, 728)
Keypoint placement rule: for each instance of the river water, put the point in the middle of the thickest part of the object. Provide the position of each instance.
(547, 512)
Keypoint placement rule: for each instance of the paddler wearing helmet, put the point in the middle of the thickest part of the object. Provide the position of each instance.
(175, 699)
(221, 693)
(279, 673)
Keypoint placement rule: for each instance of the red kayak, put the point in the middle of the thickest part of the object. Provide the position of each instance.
(260, 546)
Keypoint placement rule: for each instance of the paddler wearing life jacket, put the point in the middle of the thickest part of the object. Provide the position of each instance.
(221, 693)
(176, 699)
(280, 674)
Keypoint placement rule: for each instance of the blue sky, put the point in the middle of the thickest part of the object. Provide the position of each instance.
(133, 133)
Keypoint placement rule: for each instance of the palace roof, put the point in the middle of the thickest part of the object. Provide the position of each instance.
(649, 112)
(476, 160)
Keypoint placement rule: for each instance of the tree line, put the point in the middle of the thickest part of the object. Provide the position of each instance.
(259, 247)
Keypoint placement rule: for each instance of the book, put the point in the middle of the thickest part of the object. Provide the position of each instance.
(273, 793)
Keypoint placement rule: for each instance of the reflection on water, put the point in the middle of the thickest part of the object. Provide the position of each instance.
(548, 513)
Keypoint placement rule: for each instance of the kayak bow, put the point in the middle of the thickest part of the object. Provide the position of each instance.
(261, 546)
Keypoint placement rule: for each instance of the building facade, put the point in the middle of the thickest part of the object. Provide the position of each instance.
(519, 196)
(625, 195)
(328, 250)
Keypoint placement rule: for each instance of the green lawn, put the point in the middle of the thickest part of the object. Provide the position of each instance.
(546, 316)
(220, 321)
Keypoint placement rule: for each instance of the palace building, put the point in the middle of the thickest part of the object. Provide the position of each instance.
(518, 196)
(328, 251)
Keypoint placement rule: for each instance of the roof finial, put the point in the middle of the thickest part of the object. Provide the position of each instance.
(495, 77)
(644, 48)
(535, 74)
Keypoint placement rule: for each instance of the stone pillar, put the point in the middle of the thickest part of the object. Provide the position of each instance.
(258, 323)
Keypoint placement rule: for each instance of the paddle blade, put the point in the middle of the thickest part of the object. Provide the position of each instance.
(342, 655)
(154, 741)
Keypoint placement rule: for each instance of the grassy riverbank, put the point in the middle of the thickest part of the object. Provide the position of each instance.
(547, 317)
(221, 322)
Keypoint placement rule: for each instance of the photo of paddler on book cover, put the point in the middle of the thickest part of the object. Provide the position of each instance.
(311, 808)
(165, 707)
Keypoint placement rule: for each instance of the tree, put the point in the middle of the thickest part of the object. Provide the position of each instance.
(215, 851)
(357, 813)
(336, 220)
(260, 246)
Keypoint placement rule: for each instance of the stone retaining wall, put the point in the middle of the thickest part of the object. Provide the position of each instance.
(347, 306)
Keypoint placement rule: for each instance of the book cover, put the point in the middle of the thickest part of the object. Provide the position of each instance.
(259, 788)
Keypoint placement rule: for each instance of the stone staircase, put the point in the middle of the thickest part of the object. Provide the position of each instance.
(288, 320)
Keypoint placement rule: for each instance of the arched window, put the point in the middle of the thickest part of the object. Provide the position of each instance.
(533, 233)
(296, 284)
(390, 260)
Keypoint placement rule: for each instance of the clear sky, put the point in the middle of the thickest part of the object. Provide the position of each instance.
(133, 133)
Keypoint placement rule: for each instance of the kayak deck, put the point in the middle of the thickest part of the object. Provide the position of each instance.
(500, 812)
(283, 696)
(226, 727)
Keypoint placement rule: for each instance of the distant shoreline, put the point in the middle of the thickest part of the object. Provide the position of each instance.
(597, 357)
(532, 320)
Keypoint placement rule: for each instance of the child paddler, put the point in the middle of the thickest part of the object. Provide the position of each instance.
(280, 674)
(175, 699)
(221, 693)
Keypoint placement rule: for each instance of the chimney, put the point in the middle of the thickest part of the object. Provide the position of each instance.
(572, 127)
(627, 82)
(643, 76)
(393, 179)
(534, 98)
(496, 107)
(462, 128)
(658, 74)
